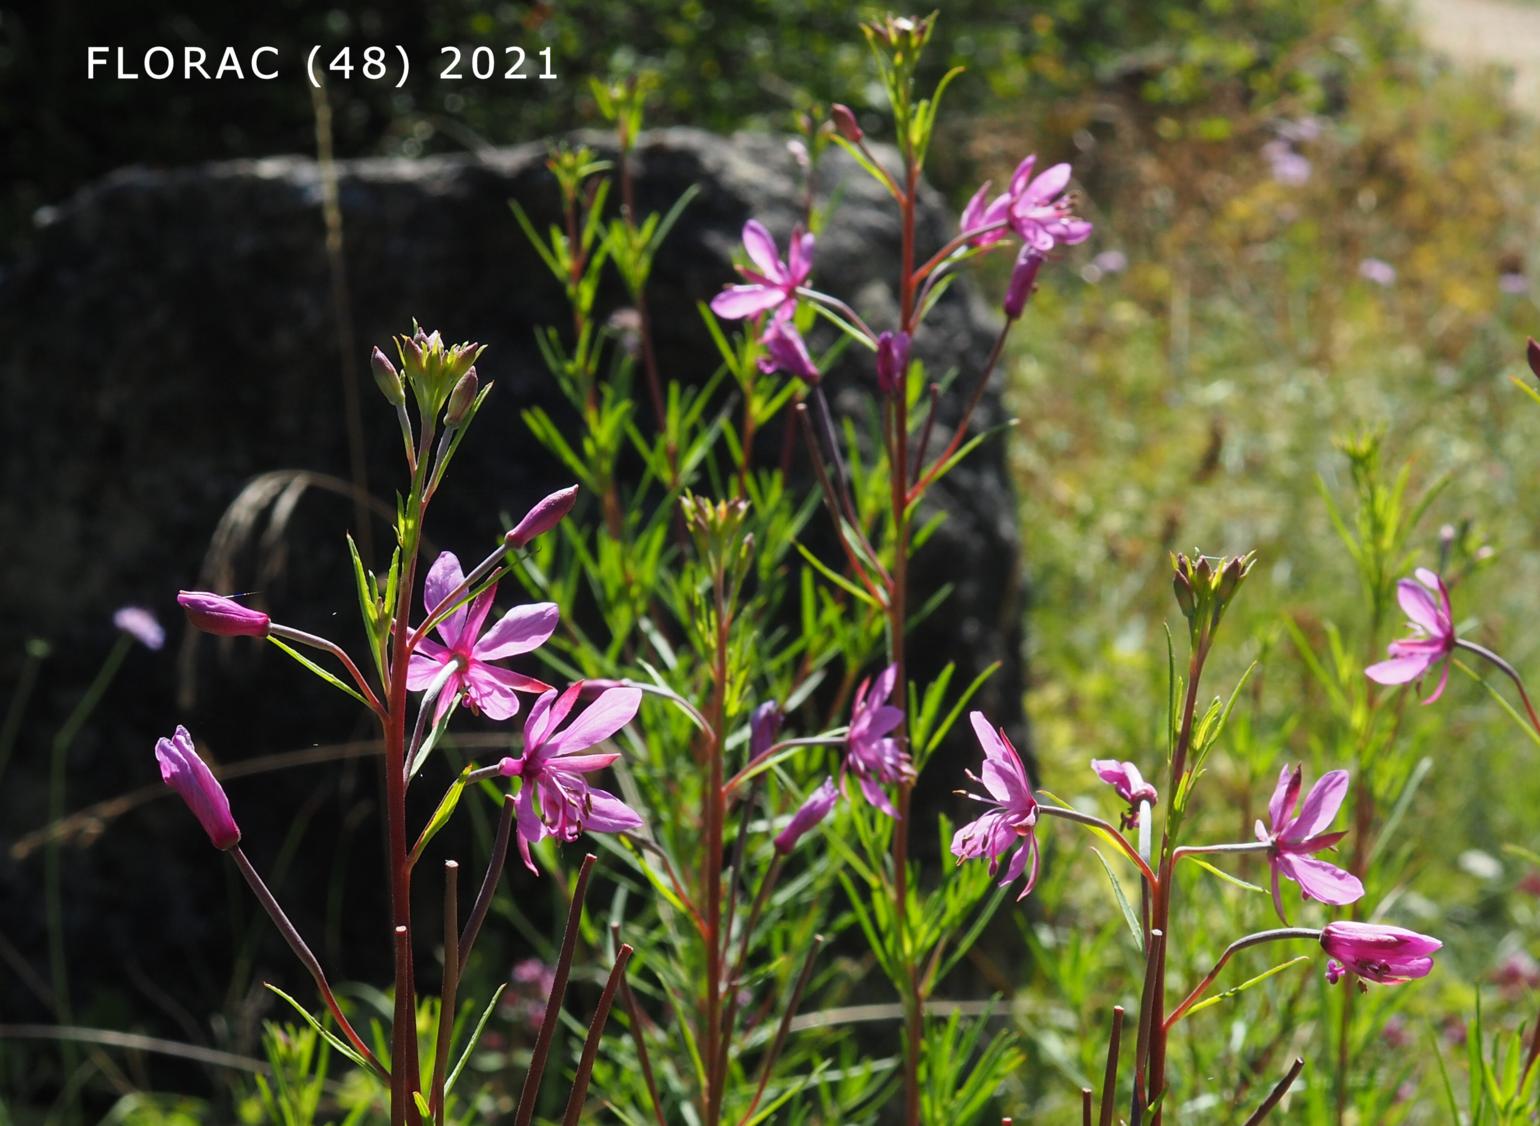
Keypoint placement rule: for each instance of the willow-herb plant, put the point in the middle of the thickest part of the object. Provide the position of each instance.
(786, 736)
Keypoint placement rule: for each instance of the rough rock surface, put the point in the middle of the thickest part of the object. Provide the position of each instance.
(172, 335)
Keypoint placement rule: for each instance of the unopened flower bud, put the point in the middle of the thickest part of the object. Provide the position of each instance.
(1023, 274)
(221, 616)
(543, 517)
(892, 361)
(388, 379)
(411, 355)
(846, 124)
(1532, 352)
(461, 398)
(808, 815)
(1184, 597)
(189, 776)
(764, 726)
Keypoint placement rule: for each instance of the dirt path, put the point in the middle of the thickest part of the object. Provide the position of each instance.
(1506, 32)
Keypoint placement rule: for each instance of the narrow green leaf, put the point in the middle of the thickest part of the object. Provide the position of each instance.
(1130, 916)
(341, 1045)
(441, 815)
(1245, 985)
(470, 1045)
(1226, 876)
(319, 671)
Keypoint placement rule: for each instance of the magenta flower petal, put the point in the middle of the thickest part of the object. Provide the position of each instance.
(874, 759)
(738, 302)
(1320, 880)
(608, 814)
(443, 577)
(1320, 806)
(190, 777)
(548, 713)
(520, 630)
(1418, 606)
(612, 710)
(1047, 187)
(1284, 796)
(493, 691)
(1398, 670)
(1022, 177)
(761, 249)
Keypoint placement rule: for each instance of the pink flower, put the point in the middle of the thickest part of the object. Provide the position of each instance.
(1388, 955)
(552, 768)
(1294, 837)
(808, 815)
(773, 284)
(1433, 636)
(488, 690)
(870, 755)
(1124, 777)
(1012, 819)
(221, 616)
(189, 776)
(786, 352)
(1040, 212)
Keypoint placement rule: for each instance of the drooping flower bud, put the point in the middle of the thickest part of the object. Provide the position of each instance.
(1023, 274)
(786, 352)
(221, 616)
(1377, 952)
(808, 815)
(764, 726)
(190, 777)
(543, 517)
(892, 361)
(845, 123)
(461, 398)
(387, 378)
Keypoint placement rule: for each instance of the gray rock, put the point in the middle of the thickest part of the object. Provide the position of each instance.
(171, 336)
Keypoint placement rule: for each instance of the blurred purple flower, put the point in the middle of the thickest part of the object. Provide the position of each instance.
(773, 284)
(221, 616)
(1388, 955)
(1294, 837)
(1037, 209)
(1433, 637)
(190, 777)
(552, 768)
(813, 810)
(141, 625)
(1287, 166)
(873, 757)
(1513, 283)
(489, 690)
(531, 983)
(1378, 271)
(1110, 262)
(786, 352)
(1012, 818)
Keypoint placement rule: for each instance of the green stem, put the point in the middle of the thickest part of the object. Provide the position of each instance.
(53, 879)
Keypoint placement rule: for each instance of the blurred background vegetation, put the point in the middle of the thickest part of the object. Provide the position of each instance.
(1308, 225)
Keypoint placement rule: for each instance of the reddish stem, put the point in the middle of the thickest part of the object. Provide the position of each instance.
(585, 1068)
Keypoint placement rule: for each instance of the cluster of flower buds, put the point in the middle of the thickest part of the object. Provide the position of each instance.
(437, 373)
(717, 529)
(1204, 589)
